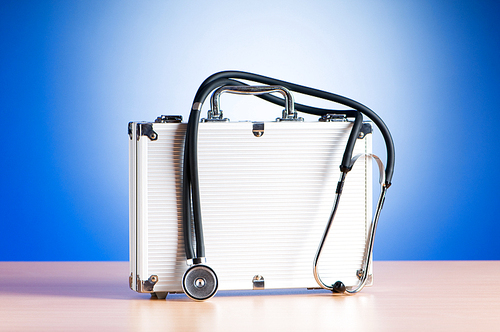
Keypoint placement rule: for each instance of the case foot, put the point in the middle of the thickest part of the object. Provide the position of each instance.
(159, 295)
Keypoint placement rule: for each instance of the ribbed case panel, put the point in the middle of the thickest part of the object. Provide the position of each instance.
(265, 203)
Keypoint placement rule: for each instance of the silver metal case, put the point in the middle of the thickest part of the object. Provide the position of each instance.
(267, 191)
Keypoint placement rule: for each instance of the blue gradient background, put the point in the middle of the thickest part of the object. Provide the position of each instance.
(74, 73)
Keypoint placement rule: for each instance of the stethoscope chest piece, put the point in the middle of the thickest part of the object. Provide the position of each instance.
(200, 282)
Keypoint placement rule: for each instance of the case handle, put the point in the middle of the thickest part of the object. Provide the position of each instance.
(215, 113)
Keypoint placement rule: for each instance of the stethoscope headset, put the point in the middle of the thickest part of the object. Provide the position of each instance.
(200, 281)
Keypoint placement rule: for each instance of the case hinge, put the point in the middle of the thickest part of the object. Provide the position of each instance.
(365, 130)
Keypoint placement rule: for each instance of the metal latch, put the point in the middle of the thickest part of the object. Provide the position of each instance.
(366, 128)
(169, 119)
(333, 118)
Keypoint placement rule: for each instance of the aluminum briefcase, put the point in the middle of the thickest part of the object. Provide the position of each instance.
(266, 193)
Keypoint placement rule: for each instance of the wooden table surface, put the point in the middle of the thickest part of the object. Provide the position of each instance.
(406, 296)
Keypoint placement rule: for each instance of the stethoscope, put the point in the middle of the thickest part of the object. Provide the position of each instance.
(200, 281)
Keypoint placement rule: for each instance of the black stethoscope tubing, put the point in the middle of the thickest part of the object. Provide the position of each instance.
(191, 207)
